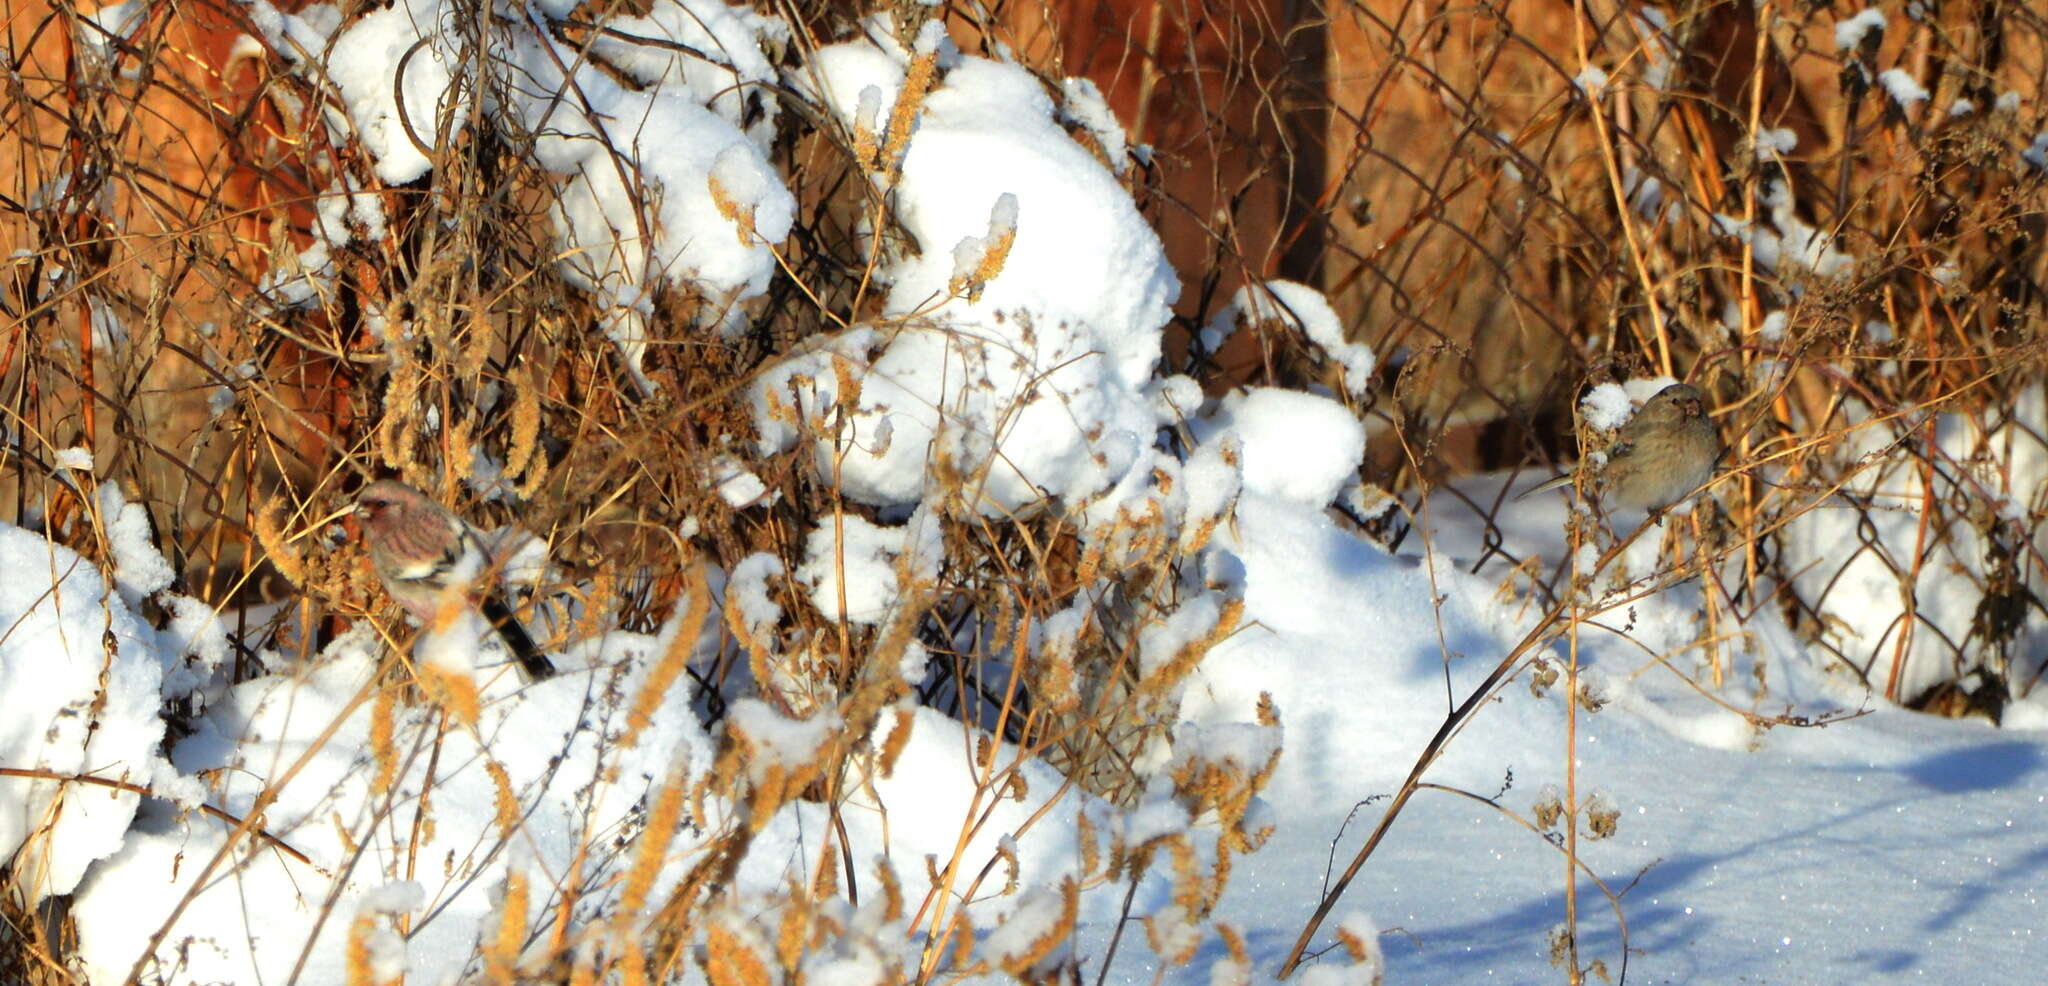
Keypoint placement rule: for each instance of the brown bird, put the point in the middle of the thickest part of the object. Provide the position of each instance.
(422, 552)
(1660, 457)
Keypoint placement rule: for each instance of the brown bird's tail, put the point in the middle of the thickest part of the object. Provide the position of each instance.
(1546, 485)
(531, 660)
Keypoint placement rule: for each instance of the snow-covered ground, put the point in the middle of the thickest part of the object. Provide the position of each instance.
(1881, 848)
(1021, 348)
(1889, 847)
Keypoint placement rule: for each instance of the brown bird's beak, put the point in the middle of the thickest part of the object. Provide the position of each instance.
(317, 525)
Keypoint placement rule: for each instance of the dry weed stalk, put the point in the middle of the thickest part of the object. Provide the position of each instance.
(501, 955)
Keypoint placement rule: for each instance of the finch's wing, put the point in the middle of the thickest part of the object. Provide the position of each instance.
(430, 568)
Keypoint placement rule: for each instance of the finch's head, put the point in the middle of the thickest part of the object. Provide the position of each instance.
(381, 504)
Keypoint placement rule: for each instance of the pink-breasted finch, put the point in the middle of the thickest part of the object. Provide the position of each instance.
(1661, 456)
(422, 552)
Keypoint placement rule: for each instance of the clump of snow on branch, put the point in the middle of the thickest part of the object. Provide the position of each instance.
(1606, 407)
(1296, 446)
(1793, 245)
(1082, 104)
(636, 209)
(2036, 152)
(1300, 308)
(1591, 80)
(736, 484)
(1775, 142)
(750, 591)
(869, 556)
(778, 741)
(1851, 34)
(1904, 89)
(1037, 383)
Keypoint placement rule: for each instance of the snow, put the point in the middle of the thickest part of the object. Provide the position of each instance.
(1164, 641)
(1652, 26)
(1299, 308)
(309, 744)
(1646, 196)
(139, 569)
(1881, 847)
(79, 679)
(1591, 80)
(368, 53)
(1924, 823)
(101, 32)
(1775, 143)
(1793, 246)
(1585, 560)
(738, 179)
(109, 333)
(666, 184)
(1850, 34)
(1358, 927)
(1606, 407)
(1859, 590)
(396, 897)
(728, 62)
(300, 36)
(737, 485)
(989, 129)
(870, 560)
(194, 631)
(2036, 152)
(1031, 925)
(1297, 446)
(749, 590)
(454, 642)
(1213, 478)
(76, 458)
(1904, 89)
(1081, 103)
(976, 259)
(777, 742)
(1036, 382)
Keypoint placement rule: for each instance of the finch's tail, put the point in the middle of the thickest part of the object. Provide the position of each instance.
(531, 660)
